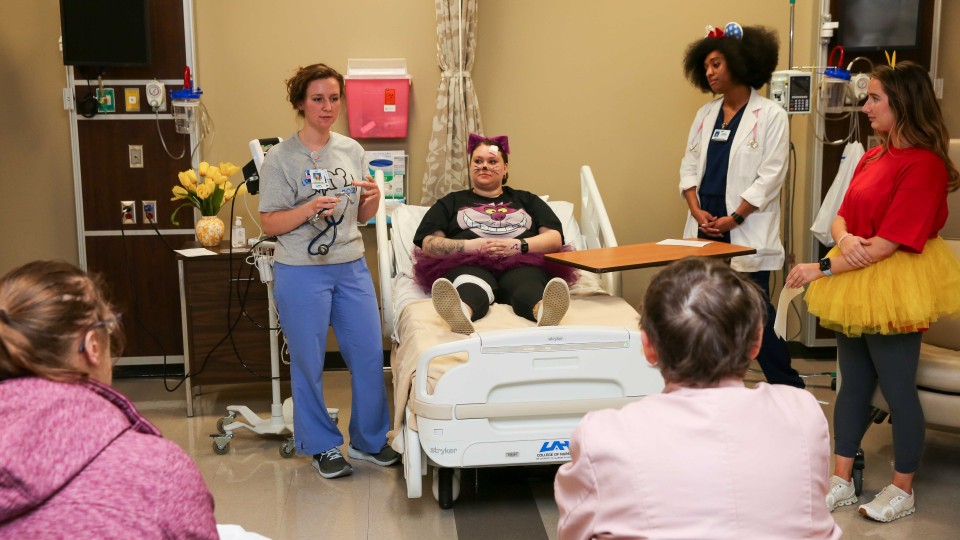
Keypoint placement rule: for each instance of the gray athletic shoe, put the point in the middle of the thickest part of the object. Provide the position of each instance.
(842, 493)
(556, 300)
(385, 457)
(890, 504)
(446, 300)
(330, 464)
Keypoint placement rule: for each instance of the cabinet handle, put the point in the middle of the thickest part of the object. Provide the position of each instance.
(241, 279)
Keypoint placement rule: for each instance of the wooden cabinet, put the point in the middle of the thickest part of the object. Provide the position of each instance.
(226, 335)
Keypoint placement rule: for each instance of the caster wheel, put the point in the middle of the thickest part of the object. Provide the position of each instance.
(446, 486)
(221, 422)
(858, 466)
(288, 450)
(220, 450)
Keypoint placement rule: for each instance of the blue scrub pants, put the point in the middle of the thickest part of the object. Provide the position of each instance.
(309, 300)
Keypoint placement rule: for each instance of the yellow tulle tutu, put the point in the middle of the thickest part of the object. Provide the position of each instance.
(903, 293)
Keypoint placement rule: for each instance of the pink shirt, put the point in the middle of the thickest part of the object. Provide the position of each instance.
(724, 462)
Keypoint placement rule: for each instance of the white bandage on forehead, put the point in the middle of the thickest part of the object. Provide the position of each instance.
(493, 149)
(467, 278)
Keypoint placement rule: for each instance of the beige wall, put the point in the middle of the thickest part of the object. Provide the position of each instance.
(37, 210)
(571, 83)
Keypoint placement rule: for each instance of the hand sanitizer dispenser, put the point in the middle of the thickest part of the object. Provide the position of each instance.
(239, 234)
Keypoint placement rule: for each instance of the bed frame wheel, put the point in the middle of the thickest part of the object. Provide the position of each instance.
(446, 486)
(288, 449)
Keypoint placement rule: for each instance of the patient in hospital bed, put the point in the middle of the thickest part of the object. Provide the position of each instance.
(486, 244)
(709, 457)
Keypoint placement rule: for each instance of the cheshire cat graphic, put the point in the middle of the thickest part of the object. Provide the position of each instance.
(494, 220)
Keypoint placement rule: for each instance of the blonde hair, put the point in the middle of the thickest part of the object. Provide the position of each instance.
(46, 309)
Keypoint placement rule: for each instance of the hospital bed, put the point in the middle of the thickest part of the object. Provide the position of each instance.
(511, 393)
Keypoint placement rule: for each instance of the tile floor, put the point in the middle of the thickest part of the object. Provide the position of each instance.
(285, 498)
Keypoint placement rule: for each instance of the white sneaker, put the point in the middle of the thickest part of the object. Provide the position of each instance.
(842, 493)
(446, 300)
(890, 504)
(555, 302)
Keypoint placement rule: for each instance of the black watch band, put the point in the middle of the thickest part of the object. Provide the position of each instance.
(737, 218)
(825, 266)
(524, 246)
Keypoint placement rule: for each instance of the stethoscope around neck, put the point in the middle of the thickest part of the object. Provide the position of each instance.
(332, 223)
(752, 143)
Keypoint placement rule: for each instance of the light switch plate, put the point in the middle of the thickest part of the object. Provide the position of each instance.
(136, 156)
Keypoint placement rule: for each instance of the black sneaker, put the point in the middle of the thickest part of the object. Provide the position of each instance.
(385, 457)
(330, 464)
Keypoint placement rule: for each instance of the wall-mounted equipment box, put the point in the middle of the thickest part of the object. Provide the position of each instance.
(378, 98)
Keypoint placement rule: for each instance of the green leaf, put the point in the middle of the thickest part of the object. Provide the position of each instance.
(173, 216)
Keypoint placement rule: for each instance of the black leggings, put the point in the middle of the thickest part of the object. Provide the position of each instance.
(892, 360)
(521, 288)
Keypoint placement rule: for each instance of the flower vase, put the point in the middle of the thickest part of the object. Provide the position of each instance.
(209, 231)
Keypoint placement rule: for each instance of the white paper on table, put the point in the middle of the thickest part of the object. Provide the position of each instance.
(688, 243)
(195, 252)
(783, 306)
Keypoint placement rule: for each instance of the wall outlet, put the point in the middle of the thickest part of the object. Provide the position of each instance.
(128, 214)
(136, 156)
(150, 211)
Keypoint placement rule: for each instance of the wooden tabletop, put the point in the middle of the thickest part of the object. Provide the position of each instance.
(633, 256)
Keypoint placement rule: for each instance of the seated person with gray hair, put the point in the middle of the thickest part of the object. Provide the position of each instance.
(709, 457)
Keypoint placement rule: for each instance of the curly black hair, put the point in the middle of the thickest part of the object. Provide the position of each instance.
(751, 60)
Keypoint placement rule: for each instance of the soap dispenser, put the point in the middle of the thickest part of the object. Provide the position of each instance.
(239, 234)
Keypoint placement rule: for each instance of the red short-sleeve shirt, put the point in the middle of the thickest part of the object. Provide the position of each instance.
(900, 196)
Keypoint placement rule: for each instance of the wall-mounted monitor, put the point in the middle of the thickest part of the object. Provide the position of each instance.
(875, 25)
(102, 33)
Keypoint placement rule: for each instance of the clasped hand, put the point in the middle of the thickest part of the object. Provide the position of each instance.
(493, 248)
(714, 227)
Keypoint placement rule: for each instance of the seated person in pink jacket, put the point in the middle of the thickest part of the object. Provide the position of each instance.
(709, 457)
(76, 458)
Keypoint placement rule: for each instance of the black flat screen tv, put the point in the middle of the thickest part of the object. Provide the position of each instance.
(103, 33)
(876, 25)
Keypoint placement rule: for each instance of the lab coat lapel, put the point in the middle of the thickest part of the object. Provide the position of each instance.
(747, 122)
(706, 132)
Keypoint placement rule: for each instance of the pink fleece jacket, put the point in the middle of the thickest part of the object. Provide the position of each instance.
(79, 461)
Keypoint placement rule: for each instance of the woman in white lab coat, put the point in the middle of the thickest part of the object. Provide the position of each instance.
(736, 162)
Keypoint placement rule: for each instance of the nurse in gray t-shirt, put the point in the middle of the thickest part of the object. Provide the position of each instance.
(313, 193)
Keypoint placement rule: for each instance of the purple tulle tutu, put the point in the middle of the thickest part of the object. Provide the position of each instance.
(426, 269)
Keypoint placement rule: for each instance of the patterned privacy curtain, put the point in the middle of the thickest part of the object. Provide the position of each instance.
(458, 112)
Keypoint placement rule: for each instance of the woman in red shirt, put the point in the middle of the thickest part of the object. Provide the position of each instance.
(891, 276)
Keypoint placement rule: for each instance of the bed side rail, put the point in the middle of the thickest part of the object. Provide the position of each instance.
(385, 264)
(595, 225)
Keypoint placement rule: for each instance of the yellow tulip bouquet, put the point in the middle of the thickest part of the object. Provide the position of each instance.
(207, 188)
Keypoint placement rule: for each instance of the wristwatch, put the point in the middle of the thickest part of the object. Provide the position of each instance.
(524, 247)
(825, 266)
(737, 218)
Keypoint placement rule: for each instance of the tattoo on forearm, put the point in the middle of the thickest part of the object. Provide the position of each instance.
(438, 246)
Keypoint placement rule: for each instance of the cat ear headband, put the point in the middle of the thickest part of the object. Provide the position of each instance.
(502, 143)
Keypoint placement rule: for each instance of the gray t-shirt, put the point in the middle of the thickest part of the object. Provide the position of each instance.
(285, 182)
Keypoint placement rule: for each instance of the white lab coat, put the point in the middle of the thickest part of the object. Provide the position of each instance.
(753, 174)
